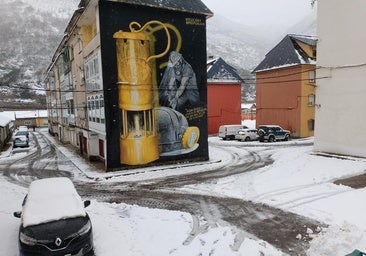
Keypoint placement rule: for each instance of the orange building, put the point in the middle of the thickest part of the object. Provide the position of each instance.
(285, 86)
(223, 95)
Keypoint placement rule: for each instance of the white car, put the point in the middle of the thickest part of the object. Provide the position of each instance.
(247, 135)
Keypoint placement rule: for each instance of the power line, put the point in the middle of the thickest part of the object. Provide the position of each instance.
(246, 80)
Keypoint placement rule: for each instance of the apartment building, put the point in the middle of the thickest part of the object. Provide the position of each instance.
(127, 84)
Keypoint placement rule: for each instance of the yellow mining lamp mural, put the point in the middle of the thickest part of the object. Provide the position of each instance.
(148, 129)
(136, 64)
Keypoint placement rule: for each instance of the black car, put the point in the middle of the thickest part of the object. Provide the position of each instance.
(272, 133)
(53, 220)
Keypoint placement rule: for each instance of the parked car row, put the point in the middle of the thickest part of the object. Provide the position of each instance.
(268, 133)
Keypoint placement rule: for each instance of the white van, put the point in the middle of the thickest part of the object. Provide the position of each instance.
(228, 131)
(22, 128)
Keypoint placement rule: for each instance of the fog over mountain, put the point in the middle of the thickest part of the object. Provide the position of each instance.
(306, 26)
(31, 30)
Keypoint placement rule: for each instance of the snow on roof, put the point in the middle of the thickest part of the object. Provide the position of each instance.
(287, 53)
(4, 120)
(8, 114)
(248, 105)
(31, 114)
(219, 71)
(309, 40)
(24, 114)
(51, 199)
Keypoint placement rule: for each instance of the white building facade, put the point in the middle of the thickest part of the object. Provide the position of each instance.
(340, 123)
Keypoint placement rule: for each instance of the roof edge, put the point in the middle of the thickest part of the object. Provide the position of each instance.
(170, 5)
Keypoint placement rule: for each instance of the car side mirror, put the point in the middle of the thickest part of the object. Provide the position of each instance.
(86, 203)
(17, 214)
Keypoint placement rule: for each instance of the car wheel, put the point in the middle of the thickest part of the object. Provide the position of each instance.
(287, 137)
(260, 132)
(271, 139)
(91, 253)
(247, 139)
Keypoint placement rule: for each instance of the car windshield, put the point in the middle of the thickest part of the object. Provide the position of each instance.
(20, 139)
(65, 226)
(21, 133)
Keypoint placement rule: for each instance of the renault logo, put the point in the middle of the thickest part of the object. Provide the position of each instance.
(58, 241)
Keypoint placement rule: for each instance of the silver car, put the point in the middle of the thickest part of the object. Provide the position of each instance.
(20, 141)
(246, 135)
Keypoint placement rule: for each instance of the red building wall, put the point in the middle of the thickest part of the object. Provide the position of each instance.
(223, 105)
(278, 98)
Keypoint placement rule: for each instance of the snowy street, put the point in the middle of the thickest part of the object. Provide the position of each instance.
(251, 198)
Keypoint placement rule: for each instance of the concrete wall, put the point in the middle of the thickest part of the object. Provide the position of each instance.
(341, 78)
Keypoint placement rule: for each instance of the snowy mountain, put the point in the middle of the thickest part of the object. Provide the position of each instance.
(239, 45)
(32, 29)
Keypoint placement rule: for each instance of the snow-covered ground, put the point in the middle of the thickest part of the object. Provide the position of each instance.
(298, 181)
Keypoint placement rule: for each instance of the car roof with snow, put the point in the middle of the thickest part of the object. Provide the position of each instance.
(269, 125)
(51, 199)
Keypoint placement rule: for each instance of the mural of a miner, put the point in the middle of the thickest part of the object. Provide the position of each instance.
(178, 88)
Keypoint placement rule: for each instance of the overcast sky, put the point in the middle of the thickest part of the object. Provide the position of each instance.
(261, 12)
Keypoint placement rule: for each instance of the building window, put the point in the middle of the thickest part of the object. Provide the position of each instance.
(92, 108)
(70, 106)
(102, 120)
(311, 123)
(97, 109)
(71, 52)
(80, 45)
(311, 100)
(312, 76)
(93, 72)
(89, 109)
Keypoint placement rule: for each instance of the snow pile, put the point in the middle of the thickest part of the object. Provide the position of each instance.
(298, 181)
(51, 199)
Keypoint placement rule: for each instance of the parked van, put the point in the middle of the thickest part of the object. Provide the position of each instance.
(228, 131)
(22, 128)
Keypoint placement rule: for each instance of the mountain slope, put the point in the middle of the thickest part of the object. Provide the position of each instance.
(29, 38)
(237, 44)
